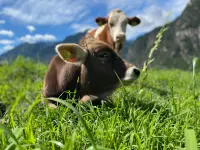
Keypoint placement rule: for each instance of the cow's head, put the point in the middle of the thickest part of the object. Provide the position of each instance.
(101, 66)
(117, 22)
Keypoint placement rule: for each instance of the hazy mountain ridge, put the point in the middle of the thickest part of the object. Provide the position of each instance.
(25, 50)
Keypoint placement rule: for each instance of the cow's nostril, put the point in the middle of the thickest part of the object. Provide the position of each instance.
(118, 37)
(136, 71)
(121, 37)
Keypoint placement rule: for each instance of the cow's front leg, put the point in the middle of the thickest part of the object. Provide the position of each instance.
(48, 102)
(95, 100)
(87, 98)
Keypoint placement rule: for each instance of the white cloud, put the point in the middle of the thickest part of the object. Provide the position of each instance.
(132, 7)
(38, 38)
(177, 7)
(125, 5)
(46, 12)
(156, 16)
(7, 33)
(2, 21)
(6, 48)
(150, 18)
(31, 28)
(81, 27)
(6, 42)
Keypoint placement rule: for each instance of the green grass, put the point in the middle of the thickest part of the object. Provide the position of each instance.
(154, 114)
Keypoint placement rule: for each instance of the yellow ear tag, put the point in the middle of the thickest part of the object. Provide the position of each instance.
(134, 23)
(66, 55)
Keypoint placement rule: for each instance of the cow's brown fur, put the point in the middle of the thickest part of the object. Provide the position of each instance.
(93, 77)
(106, 37)
(103, 36)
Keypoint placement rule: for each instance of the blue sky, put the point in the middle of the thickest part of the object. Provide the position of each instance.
(52, 20)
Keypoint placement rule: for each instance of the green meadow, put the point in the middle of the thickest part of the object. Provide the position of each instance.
(159, 112)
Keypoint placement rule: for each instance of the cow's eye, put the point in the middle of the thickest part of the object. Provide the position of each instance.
(104, 56)
(111, 24)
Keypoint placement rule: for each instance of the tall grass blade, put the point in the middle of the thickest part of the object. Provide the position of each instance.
(190, 140)
(138, 141)
(79, 116)
(99, 148)
(57, 143)
(7, 130)
(153, 49)
(10, 146)
(194, 63)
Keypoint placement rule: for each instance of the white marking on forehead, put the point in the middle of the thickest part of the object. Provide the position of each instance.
(116, 13)
(117, 17)
(98, 31)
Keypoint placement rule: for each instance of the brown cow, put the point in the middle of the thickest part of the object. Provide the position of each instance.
(90, 68)
(112, 30)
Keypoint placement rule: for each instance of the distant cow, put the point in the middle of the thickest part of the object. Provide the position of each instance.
(93, 69)
(112, 30)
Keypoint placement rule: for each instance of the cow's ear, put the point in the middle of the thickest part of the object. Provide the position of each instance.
(133, 21)
(71, 53)
(101, 21)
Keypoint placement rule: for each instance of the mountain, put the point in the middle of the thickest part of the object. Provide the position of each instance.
(25, 50)
(180, 43)
(39, 51)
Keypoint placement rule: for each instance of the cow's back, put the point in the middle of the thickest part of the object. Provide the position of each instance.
(60, 78)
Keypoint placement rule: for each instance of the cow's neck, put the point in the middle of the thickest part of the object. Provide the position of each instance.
(103, 34)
